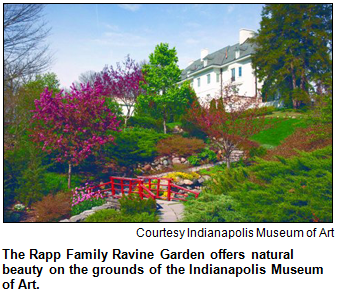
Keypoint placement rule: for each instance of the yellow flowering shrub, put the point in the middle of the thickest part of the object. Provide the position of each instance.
(189, 176)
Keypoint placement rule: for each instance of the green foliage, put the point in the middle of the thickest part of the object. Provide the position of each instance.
(206, 156)
(133, 209)
(134, 145)
(111, 215)
(259, 112)
(192, 129)
(145, 122)
(257, 151)
(53, 208)
(115, 108)
(179, 146)
(133, 204)
(86, 205)
(212, 208)
(23, 173)
(26, 96)
(54, 182)
(163, 98)
(289, 190)
(292, 49)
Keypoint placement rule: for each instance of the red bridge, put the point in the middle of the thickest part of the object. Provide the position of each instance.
(149, 187)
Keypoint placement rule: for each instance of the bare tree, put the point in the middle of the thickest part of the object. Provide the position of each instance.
(88, 76)
(25, 51)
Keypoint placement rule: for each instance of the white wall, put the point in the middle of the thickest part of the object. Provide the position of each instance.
(245, 83)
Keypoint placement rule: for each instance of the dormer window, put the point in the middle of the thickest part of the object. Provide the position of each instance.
(237, 54)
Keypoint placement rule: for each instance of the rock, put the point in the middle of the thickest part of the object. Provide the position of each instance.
(183, 160)
(201, 180)
(180, 182)
(159, 167)
(206, 177)
(188, 182)
(147, 167)
(176, 160)
(165, 163)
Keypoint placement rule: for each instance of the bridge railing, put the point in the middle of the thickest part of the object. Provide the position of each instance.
(149, 187)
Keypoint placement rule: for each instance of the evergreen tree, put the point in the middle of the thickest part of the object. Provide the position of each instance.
(293, 50)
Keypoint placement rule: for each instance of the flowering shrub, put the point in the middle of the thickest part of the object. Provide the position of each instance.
(82, 194)
(19, 207)
(176, 175)
(74, 124)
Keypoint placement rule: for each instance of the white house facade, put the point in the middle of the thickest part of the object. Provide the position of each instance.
(229, 65)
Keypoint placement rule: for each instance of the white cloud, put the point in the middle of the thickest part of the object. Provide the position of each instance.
(123, 39)
(131, 7)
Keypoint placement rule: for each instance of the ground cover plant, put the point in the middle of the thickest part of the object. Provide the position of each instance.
(297, 189)
(133, 209)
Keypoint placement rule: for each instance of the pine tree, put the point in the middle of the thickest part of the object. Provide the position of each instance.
(293, 50)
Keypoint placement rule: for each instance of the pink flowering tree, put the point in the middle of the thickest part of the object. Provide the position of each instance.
(73, 124)
(122, 84)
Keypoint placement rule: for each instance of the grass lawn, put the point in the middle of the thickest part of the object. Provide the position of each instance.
(286, 114)
(283, 128)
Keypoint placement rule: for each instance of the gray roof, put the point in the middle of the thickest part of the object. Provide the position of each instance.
(218, 58)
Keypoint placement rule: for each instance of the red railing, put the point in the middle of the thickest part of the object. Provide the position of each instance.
(149, 187)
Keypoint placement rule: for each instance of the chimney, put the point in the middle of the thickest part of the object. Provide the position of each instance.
(245, 34)
(204, 53)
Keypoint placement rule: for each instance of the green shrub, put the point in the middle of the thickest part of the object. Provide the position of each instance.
(206, 156)
(134, 145)
(212, 208)
(111, 215)
(179, 146)
(23, 173)
(192, 130)
(86, 205)
(145, 122)
(133, 204)
(54, 182)
(298, 189)
(259, 112)
(258, 151)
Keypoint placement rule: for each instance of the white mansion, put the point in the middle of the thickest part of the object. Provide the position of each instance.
(229, 65)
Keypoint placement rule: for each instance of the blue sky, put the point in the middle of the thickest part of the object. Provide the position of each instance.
(89, 36)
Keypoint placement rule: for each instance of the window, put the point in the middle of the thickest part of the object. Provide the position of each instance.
(240, 71)
(233, 74)
(208, 78)
(217, 77)
(198, 82)
(237, 54)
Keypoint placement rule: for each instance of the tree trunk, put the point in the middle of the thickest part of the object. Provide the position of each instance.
(69, 176)
(228, 162)
(294, 85)
(164, 123)
(126, 121)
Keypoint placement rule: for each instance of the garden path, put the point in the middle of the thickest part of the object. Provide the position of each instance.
(170, 211)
